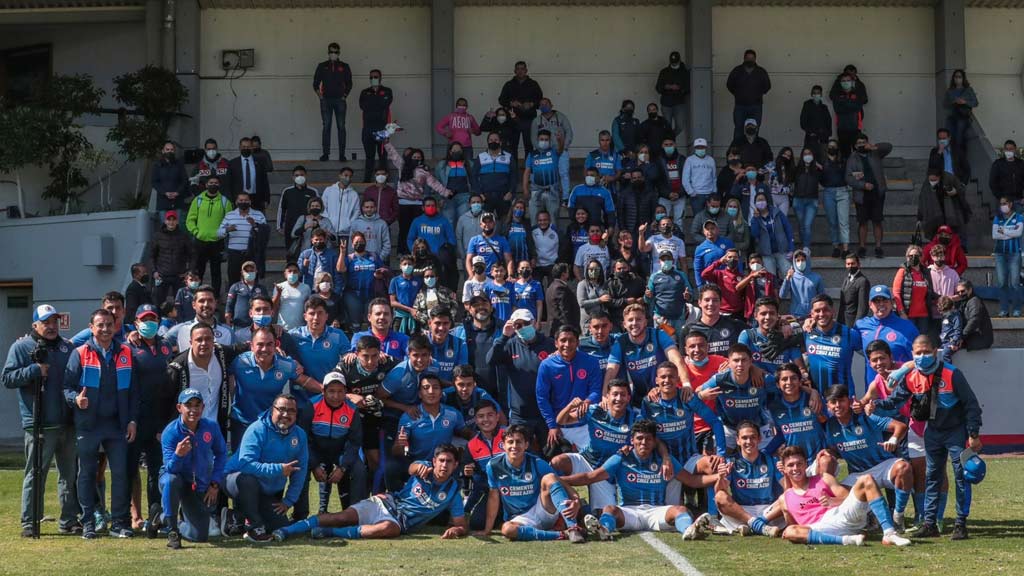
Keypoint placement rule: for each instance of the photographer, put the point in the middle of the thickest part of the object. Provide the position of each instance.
(33, 360)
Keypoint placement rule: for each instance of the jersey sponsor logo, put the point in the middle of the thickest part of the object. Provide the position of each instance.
(207, 437)
(852, 445)
(824, 350)
(642, 364)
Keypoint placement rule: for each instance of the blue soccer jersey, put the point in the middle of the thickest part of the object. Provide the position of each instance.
(757, 482)
(675, 424)
(519, 488)
(738, 402)
(500, 296)
(526, 294)
(607, 433)
(449, 354)
(641, 360)
(405, 289)
(450, 397)
(754, 340)
(420, 501)
(403, 383)
(394, 344)
(427, 432)
(830, 356)
(639, 482)
(319, 355)
(797, 423)
(858, 442)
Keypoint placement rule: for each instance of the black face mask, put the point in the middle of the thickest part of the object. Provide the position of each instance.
(862, 150)
(749, 64)
(652, 115)
(213, 188)
(494, 146)
(638, 184)
(478, 268)
(627, 111)
(853, 270)
(457, 155)
(833, 151)
(315, 211)
(750, 131)
(169, 156)
(359, 246)
(243, 205)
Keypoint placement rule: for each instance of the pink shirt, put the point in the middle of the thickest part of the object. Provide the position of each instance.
(458, 127)
(805, 508)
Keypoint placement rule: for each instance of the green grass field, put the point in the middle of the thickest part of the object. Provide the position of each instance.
(996, 547)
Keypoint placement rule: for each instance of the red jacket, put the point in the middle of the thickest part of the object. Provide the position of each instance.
(955, 256)
(726, 279)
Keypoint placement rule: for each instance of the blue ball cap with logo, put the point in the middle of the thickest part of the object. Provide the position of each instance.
(880, 291)
(43, 312)
(973, 465)
(189, 394)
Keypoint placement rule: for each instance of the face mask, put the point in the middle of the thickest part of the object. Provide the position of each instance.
(816, 98)
(494, 146)
(761, 205)
(212, 189)
(193, 285)
(755, 267)
(939, 263)
(593, 273)
(502, 119)
(461, 109)
(669, 150)
(652, 115)
(862, 149)
(148, 329)
(525, 273)
(833, 151)
(292, 278)
(732, 212)
(595, 238)
(157, 282)
(315, 211)
(926, 363)
(456, 154)
(713, 210)
(699, 363)
(487, 231)
(847, 85)
(478, 268)
(249, 276)
(933, 183)
(1009, 154)
(300, 180)
(475, 208)
(590, 180)
(641, 157)
(627, 111)
(750, 130)
(700, 152)
(674, 65)
(380, 178)
(211, 154)
(944, 142)
(914, 260)
(732, 264)
(430, 282)
(481, 316)
(344, 180)
(324, 286)
(359, 246)
(657, 218)
(808, 158)
(800, 265)
(545, 109)
(407, 270)
(518, 213)
(1004, 208)
(526, 333)
(144, 279)
(943, 240)
(667, 265)
(374, 82)
(430, 210)
(169, 155)
(748, 64)
(246, 153)
(751, 175)
(543, 144)
(243, 206)
(261, 321)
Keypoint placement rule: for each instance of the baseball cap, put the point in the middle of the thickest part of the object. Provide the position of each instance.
(333, 377)
(974, 467)
(486, 216)
(750, 122)
(522, 314)
(145, 310)
(43, 312)
(188, 394)
(665, 253)
(710, 221)
(479, 260)
(700, 142)
(880, 291)
(171, 214)
(248, 263)
(478, 299)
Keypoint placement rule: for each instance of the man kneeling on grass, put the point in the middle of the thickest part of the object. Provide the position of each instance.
(820, 510)
(432, 488)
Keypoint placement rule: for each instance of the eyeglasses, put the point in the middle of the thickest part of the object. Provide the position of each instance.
(960, 293)
(285, 411)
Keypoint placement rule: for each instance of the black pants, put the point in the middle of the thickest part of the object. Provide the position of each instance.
(372, 150)
(146, 445)
(254, 504)
(212, 253)
(167, 289)
(847, 138)
(406, 214)
(235, 260)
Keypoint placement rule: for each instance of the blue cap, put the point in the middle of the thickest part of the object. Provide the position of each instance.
(146, 309)
(880, 291)
(189, 394)
(973, 465)
(43, 312)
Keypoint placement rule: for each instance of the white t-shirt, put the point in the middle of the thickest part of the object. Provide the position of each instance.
(659, 243)
(293, 298)
(589, 252)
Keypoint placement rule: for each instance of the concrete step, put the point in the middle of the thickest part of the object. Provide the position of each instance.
(882, 270)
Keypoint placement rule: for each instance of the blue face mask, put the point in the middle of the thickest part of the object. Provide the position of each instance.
(430, 281)
(518, 213)
(407, 270)
(699, 363)
(669, 150)
(732, 212)
(476, 208)
(261, 321)
(667, 265)
(700, 152)
(751, 175)
(527, 333)
(148, 329)
(926, 363)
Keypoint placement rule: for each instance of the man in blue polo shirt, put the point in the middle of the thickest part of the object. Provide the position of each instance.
(259, 376)
(605, 160)
(593, 197)
(712, 249)
(541, 179)
(563, 377)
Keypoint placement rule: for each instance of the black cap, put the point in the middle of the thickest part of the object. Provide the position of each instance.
(673, 57)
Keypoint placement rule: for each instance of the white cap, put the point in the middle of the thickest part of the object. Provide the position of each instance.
(333, 377)
(750, 122)
(479, 260)
(522, 314)
(700, 142)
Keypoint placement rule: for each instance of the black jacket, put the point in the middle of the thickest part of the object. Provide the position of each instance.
(171, 252)
(853, 298)
(136, 295)
(816, 120)
(652, 132)
(668, 75)
(859, 90)
(1007, 178)
(632, 286)
(562, 307)
(526, 91)
(261, 186)
(806, 182)
(376, 106)
(748, 87)
(169, 177)
(961, 167)
(977, 324)
(758, 152)
(332, 79)
(180, 378)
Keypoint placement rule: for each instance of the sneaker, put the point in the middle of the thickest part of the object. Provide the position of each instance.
(325, 157)
(257, 536)
(853, 540)
(576, 534)
(879, 253)
(773, 531)
(228, 524)
(75, 528)
(319, 533)
(174, 540)
(595, 528)
(836, 252)
(862, 252)
(89, 531)
(927, 530)
(121, 532)
(152, 526)
(959, 531)
(746, 531)
(894, 539)
(699, 529)
(899, 522)
(102, 521)
(279, 535)
(28, 532)
(214, 531)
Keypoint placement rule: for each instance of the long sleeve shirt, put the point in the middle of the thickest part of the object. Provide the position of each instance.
(238, 239)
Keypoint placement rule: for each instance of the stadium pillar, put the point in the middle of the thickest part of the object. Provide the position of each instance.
(698, 55)
(154, 14)
(950, 49)
(442, 68)
(186, 24)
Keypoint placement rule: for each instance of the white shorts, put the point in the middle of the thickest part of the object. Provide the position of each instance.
(674, 490)
(536, 517)
(752, 509)
(767, 433)
(847, 519)
(373, 511)
(601, 493)
(882, 474)
(915, 444)
(645, 518)
(578, 435)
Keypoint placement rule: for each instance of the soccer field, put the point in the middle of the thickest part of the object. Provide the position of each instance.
(996, 547)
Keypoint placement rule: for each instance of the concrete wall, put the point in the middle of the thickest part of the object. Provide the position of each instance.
(995, 68)
(893, 49)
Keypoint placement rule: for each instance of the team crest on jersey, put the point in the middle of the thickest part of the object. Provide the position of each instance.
(528, 477)
(943, 385)
(216, 334)
(756, 356)
(836, 339)
(207, 437)
(763, 469)
(450, 353)
(295, 442)
(124, 359)
(650, 347)
(624, 427)
(598, 433)
(442, 496)
(807, 411)
(753, 391)
(417, 490)
(278, 375)
(581, 373)
(653, 467)
(165, 350)
(858, 430)
(327, 344)
(472, 411)
(343, 419)
(380, 375)
(729, 403)
(543, 355)
(504, 490)
(680, 412)
(725, 332)
(741, 482)
(445, 422)
(891, 336)
(394, 345)
(631, 477)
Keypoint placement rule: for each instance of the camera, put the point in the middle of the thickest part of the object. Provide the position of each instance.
(40, 354)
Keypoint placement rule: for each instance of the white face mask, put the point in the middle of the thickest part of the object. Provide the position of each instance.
(808, 158)
(590, 180)
(755, 267)
(1009, 154)
(211, 154)
(300, 180)
(800, 265)
(543, 144)
(1005, 209)
(380, 178)
(642, 157)
(324, 286)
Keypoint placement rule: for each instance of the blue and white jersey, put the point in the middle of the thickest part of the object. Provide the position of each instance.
(449, 354)
(797, 423)
(403, 383)
(830, 356)
(319, 355)
(500, 296)
(427, 432)
(675, 424)
(450, 397)
(526, 294)
(607, 164)
(493, 249)
(858, 442)
(543, 165)
(420, 501)
(757, 482)
(754, 340)
(641, 360)
(607, 433)
(595, 349)
(519, 487)
(639, 482)
(739, 402)
(255, 389)
(405, 289)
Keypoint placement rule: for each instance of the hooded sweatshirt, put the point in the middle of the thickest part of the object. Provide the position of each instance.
(801, 287)
(264, 451)
(560, 381)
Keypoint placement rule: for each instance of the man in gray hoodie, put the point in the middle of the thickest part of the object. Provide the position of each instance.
(375, 229)
(467, 226)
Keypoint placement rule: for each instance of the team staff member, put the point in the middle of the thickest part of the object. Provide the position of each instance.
(256, 378)
(563, 377)
(26, 370)
(203, 366)
(517, 352)
(112, 302)
(100, 387)
(885, 324)
(375, 102)
(332, 81)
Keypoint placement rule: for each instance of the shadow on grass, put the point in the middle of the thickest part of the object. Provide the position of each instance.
(995, 529)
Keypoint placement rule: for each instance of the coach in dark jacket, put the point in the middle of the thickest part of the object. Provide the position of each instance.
(853, 295)
(561, 301)
(169, 180)
(977, 322)
(170, 254)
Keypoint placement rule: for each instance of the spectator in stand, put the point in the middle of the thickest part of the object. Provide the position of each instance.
(432, 227)
(138, 291)
(503, 122)
(712, 211)
(516, 229)
(730, 172)
(403, 290)
(563, 308)
(341, 204)
(522, 95)
(413, 180)
(211, 164)
(545, 241)
(1006, 177)
(848, 96)
(204, 217)
(490, 245)
(169, 180)
(760, 283)
(674, 85)
(711, 250)
(655, 130)
(373, 229)
(650, 170)
(736, 227)
(1007, 228)
(699, 176)
(946, 157)
(576, 234)
(185, 295)
(289, 297)
(240, 294)
(467, 225)
(816, 122)
(455, 172)
(294, 203)
(239, 228)
(853, 295)
(385, 198)
(665, 239)
(625, 288)
(950, 240)
(781, 175)
(606, 160)
(541, 179)
(360, 268)
(836, 199)
(596, 249)
(726, 273)
(748, 83)
(944, 277)
(592, 293)
(671, 181)
(433, 296)
(977, 323)
(332, 81)
(951, 334)
(772, 234)
(375, 102)
(170, 258)
(459, 127)
(626, 128)
(805, 195)
(960, 103)
(594, 197)
(261, 154)
(318, 258)
(249, 175)
(527, 292)
(313, 220)
(752, 148)
(866, 176)
(494, 175)
(942, 202)
(912, 289)
(668, 289)
(747, 186)
(801, 285)
(499, 290)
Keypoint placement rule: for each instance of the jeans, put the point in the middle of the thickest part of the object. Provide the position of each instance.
(1008, 280)
(806, 209)
(178, 493)
(254, 504)
(676, 116)
(59, 442)
(544, 198)
(563, 176)
(354, 483)
(116, 448)
(146, 444)
(957, 126)
(337, 107)
(355, 308)
(837, 210)
(740, 115)
(455, 206)
(938, 444)
(676, 209)
(776, 263)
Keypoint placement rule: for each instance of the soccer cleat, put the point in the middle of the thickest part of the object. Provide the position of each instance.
(152, 526)
(894, 539)
(959, 531)
(773, 531)
(118, 531)
(746, 530)
(89, 531)
(854, 540)
(699, 529)
(319, 533)
(927, 530)
(899, 522)
(279, 535)
(576, 535)
(595, 528)
(257, 536)
(174, 540)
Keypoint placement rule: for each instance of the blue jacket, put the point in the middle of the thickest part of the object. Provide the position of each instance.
(118, 370)
(707, 252)
(21, 373)
(801, 288)
(436, 230)
(777, 228)
(205, 463)
(518, 363)
(326, 261)
(156, 391)
(494, 177)
(263, 452)
(558, 382)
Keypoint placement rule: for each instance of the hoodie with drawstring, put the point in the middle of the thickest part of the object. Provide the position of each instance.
(265, 450)
(801, 287)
